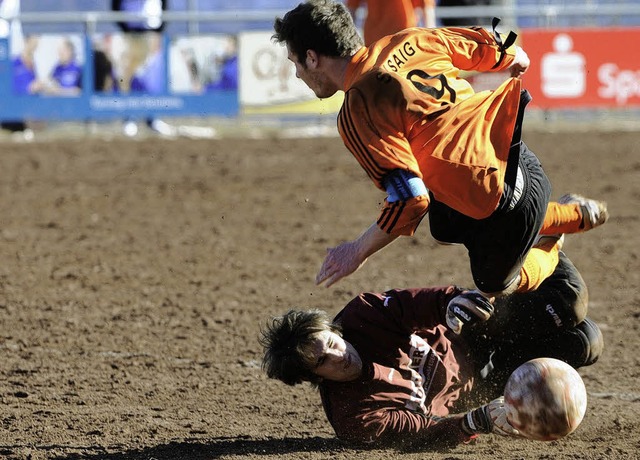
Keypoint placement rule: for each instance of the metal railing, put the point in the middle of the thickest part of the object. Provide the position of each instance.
(546, 15)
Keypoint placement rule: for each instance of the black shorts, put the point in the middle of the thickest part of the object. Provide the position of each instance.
(498, 244)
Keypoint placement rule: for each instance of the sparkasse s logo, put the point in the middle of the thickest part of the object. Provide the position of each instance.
(582, 67)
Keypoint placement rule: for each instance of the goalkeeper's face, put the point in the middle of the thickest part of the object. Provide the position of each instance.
(310, 70)
(334, 358)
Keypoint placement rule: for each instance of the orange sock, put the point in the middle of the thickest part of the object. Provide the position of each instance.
(562, 218)
(538, 266)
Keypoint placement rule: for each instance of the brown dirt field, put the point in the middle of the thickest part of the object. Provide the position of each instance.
(135, 276)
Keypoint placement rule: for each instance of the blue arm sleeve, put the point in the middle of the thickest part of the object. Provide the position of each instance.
(403, 185)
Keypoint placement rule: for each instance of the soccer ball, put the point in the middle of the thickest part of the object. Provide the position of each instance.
(545, 399)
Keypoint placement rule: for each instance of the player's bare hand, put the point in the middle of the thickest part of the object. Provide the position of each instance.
(517, 71)
(340, 261)
(520, 64)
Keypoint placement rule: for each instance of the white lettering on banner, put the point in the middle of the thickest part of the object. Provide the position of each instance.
(122, 103)
(620, 85)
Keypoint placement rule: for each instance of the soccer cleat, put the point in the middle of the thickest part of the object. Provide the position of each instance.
(594, 213)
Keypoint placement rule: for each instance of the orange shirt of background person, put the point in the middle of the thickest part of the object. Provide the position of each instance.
(386, 17)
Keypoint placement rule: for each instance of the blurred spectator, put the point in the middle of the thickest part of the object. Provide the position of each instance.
(227, 63)
(12, 29)
(24, 72)
(103, 76)
(386, 17)
(148, 77)
(465, 21)
(104, 72)
(188, 56)
(66, 78)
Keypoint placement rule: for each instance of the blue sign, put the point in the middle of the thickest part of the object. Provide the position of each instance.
(53, 78)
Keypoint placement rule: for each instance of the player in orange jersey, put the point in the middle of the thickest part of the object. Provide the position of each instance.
(434, 145)
(385, 17)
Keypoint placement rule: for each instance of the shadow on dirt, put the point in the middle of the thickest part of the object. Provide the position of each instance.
(215, 448)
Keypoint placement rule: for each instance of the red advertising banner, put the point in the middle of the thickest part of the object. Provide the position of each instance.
(574, 68)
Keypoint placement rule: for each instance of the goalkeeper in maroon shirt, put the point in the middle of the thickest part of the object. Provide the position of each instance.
(390, 372)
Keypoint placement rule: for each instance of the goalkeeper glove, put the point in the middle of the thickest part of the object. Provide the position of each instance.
(467, 308)
(490, 418)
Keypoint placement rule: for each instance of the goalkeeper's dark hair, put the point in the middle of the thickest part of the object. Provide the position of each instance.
(287, 342)
(324, 26)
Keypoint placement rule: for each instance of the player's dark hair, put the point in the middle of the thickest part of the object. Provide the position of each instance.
(324, 26)
(287, 341)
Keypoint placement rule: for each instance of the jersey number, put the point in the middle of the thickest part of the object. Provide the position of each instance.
(431, 90)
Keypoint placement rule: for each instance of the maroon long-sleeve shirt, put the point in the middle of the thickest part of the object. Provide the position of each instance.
(414, 370)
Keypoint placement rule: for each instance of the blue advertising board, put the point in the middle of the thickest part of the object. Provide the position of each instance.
(194, 76)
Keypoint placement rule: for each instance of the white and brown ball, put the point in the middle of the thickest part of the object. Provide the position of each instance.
(545, 399)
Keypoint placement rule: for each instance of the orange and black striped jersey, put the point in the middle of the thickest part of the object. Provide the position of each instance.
(407, 108)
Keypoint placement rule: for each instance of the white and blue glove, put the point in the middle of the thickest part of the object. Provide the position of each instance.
(490, 418)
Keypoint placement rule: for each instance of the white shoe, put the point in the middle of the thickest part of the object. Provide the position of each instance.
(164, 128)
(26, 135)
(197, 132)
(594, 213)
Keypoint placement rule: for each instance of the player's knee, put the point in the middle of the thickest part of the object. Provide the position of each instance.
(566, 300)
(594, 341)
(573, 303)
(578, 346)
(496, 288)
(568, 292)
(580, 302)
